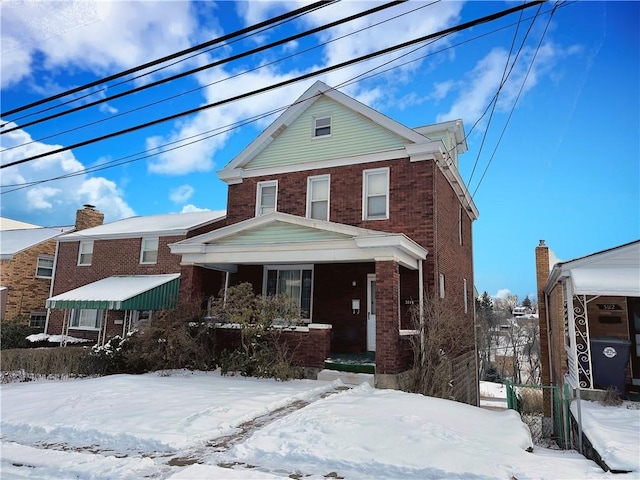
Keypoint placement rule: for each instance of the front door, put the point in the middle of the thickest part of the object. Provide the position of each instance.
(371, 313)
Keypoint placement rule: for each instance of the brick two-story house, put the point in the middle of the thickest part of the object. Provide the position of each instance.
(109, 277)
(27, 254)
(355, 216)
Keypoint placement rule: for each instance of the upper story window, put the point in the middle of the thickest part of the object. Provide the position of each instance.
(465, 293)
(375, 194)
(460, 239)
(85, 252)
(86, 319)
(321, 127)
(149, 250)
(44, 267)
(318, 197)
(266, 197)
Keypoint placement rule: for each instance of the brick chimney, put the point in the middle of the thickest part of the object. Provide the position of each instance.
(88, 217)
(542, 275)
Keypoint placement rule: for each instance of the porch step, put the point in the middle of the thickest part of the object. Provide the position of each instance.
(348, 378)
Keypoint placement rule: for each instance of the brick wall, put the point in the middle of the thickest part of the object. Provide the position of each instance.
(308, 347)
(115, 257)
(26, 293)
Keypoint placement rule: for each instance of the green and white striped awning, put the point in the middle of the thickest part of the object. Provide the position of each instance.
(126, 292)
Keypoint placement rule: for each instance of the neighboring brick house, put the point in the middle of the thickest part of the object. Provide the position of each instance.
(356, 217)
(589, 310)
(26, 268)
(109, 277)
(27, 254)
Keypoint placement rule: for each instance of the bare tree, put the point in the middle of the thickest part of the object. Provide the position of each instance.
(443, 335)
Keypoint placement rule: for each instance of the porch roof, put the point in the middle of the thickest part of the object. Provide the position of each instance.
(282, 238)
(614, 272)
(127, 292)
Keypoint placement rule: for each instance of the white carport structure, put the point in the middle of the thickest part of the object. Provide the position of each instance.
(129, 293)
(610, 273)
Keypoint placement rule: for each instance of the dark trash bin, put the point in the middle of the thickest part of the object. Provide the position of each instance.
(609, 359)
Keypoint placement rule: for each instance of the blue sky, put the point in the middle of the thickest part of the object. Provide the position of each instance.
(566, 168)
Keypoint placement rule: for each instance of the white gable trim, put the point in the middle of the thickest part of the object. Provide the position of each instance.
(364, 245)
(303, 103)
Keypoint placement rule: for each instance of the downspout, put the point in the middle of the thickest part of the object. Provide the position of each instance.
(421, 309)
(226, 287)
(53, 278)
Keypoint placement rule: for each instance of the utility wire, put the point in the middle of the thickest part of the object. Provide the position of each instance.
(263, 65)
(503, 81)
(122, 82)
(457, 28)
(152, 63)
(208, 66)
(524, 82)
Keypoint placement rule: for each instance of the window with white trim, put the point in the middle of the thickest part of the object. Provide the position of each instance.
(318, 197)
(85, 252)
(375, 194)
(266, 197)
(149, 250)
(292, 280)
(465, 293)
(441, 285)
(86, 319)
(322, 127)
(44, 267)
(37, 319)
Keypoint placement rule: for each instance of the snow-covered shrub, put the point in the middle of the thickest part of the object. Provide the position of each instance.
(13, 334)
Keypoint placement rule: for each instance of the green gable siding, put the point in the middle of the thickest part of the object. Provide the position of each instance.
(351, 134)
(279, 232)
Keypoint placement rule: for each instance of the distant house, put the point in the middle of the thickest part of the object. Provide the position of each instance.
(589, 310)
(354, 216)
(109, 277)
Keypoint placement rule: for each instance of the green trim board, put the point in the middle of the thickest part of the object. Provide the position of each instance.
(127, 292)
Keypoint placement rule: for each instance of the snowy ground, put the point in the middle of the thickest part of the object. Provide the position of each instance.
(202, 425)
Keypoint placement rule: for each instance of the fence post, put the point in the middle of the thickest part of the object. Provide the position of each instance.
(509, 390)
(567, 419)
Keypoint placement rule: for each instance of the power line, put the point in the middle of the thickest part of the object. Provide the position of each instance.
(524, 81)
(122, 82)
(457, 28)
(262, 65)
(152, 63)
(208, 66)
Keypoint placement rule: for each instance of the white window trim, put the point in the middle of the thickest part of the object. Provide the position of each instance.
(365, 175)
(99, 316)
(142, 250)
(259, 187)
(38, 267)
(81, 252)
(305, 266)
(310, 181)
(441, 285)
(314, 133)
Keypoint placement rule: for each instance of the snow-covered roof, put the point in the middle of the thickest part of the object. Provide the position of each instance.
(15, 241)
(615, 271)
(10, 224)
(125, 292)
(160, 225)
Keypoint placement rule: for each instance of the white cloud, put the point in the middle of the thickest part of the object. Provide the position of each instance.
(53, 203)
(503, 293)
(481, 83)
(181, 194)
(96, 36)
(192, 208)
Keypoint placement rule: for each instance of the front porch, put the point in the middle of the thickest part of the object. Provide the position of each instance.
(363, 283)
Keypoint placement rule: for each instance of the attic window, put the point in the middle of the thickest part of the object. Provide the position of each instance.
(322, 127)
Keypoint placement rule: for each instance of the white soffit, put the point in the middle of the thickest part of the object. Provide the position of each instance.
(619, 280)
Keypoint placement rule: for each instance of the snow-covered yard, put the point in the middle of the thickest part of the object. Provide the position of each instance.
(201, 425)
